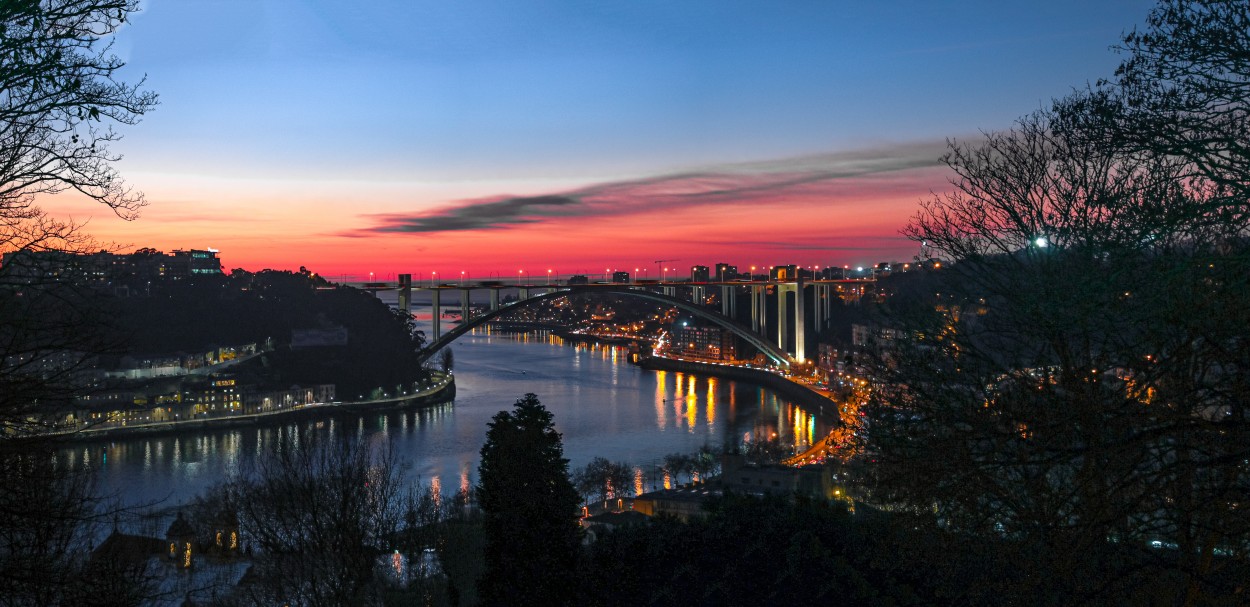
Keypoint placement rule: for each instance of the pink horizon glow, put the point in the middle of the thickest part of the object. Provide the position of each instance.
(760, 218)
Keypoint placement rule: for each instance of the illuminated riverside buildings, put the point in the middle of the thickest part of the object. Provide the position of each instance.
(179, 399)
(707, 343)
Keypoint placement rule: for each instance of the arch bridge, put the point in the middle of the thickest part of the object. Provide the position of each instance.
(774, 353)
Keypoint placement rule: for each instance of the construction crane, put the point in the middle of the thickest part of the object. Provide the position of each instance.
(657, 266)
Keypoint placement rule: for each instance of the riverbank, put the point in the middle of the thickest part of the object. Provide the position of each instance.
(443, 390)
(822, 405)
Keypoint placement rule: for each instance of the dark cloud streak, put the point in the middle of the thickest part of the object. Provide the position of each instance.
(827, 177)
(480, 216)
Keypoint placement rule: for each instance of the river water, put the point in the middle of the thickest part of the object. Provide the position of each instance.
(602, 406)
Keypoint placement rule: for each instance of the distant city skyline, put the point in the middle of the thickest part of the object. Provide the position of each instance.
(410, 137)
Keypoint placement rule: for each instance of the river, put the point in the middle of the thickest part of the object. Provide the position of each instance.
(602, 406)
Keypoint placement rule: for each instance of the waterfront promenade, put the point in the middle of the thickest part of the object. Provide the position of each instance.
(441, 389)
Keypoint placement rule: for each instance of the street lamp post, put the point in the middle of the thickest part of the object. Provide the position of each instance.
(548, 277)
(433, 276)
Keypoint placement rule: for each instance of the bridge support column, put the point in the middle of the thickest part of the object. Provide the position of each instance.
(494, 299)
(438, 313)
(728, 302)
(465, 314)
(800, 322)
(818, 306)
(757, 310)
(699, 294)
(405, 292)
(523, 293)
(783, 309)
(669, 291)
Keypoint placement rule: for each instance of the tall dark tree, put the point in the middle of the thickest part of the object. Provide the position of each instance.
(530, 510)
(59, 99)
(1075, 387)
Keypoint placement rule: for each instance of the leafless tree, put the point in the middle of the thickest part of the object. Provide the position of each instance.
(1076, 386)
(318, 513)
(59, 100)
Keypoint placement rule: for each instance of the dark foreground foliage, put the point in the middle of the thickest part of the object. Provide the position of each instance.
(751, 551)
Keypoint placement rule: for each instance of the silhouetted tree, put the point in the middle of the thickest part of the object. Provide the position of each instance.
(530, 510)
(603, 480)
(59, 99)
(318, 514)
(1075, 385)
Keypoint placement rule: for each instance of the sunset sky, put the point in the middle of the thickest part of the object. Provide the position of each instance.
(493, 137)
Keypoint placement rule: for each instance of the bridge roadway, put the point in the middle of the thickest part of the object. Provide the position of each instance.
(790, 296)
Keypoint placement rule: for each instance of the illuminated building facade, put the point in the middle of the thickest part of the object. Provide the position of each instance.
(707, 343)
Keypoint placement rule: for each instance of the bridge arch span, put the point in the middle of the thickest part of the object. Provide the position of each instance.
(770, 350)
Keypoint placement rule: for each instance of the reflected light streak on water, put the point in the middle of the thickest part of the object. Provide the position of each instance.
(602, 406)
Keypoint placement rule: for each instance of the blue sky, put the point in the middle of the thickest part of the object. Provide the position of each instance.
(351, 111)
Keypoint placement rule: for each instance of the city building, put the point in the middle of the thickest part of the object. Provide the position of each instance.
(182, 264)
(684, 503)
(620, 277)
(699, 274)
(103, 268)
(708, 343)
(741, 477)
(726, 272)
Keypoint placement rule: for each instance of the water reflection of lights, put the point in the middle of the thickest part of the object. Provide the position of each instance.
(697, 399)
(711, 403)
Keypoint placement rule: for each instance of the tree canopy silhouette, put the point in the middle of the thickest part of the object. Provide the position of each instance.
(530, 510)
(1076, 384)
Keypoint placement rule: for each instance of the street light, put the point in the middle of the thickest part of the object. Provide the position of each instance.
(462, 278)
(520, 276)
(549, 277)
(432, 278)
